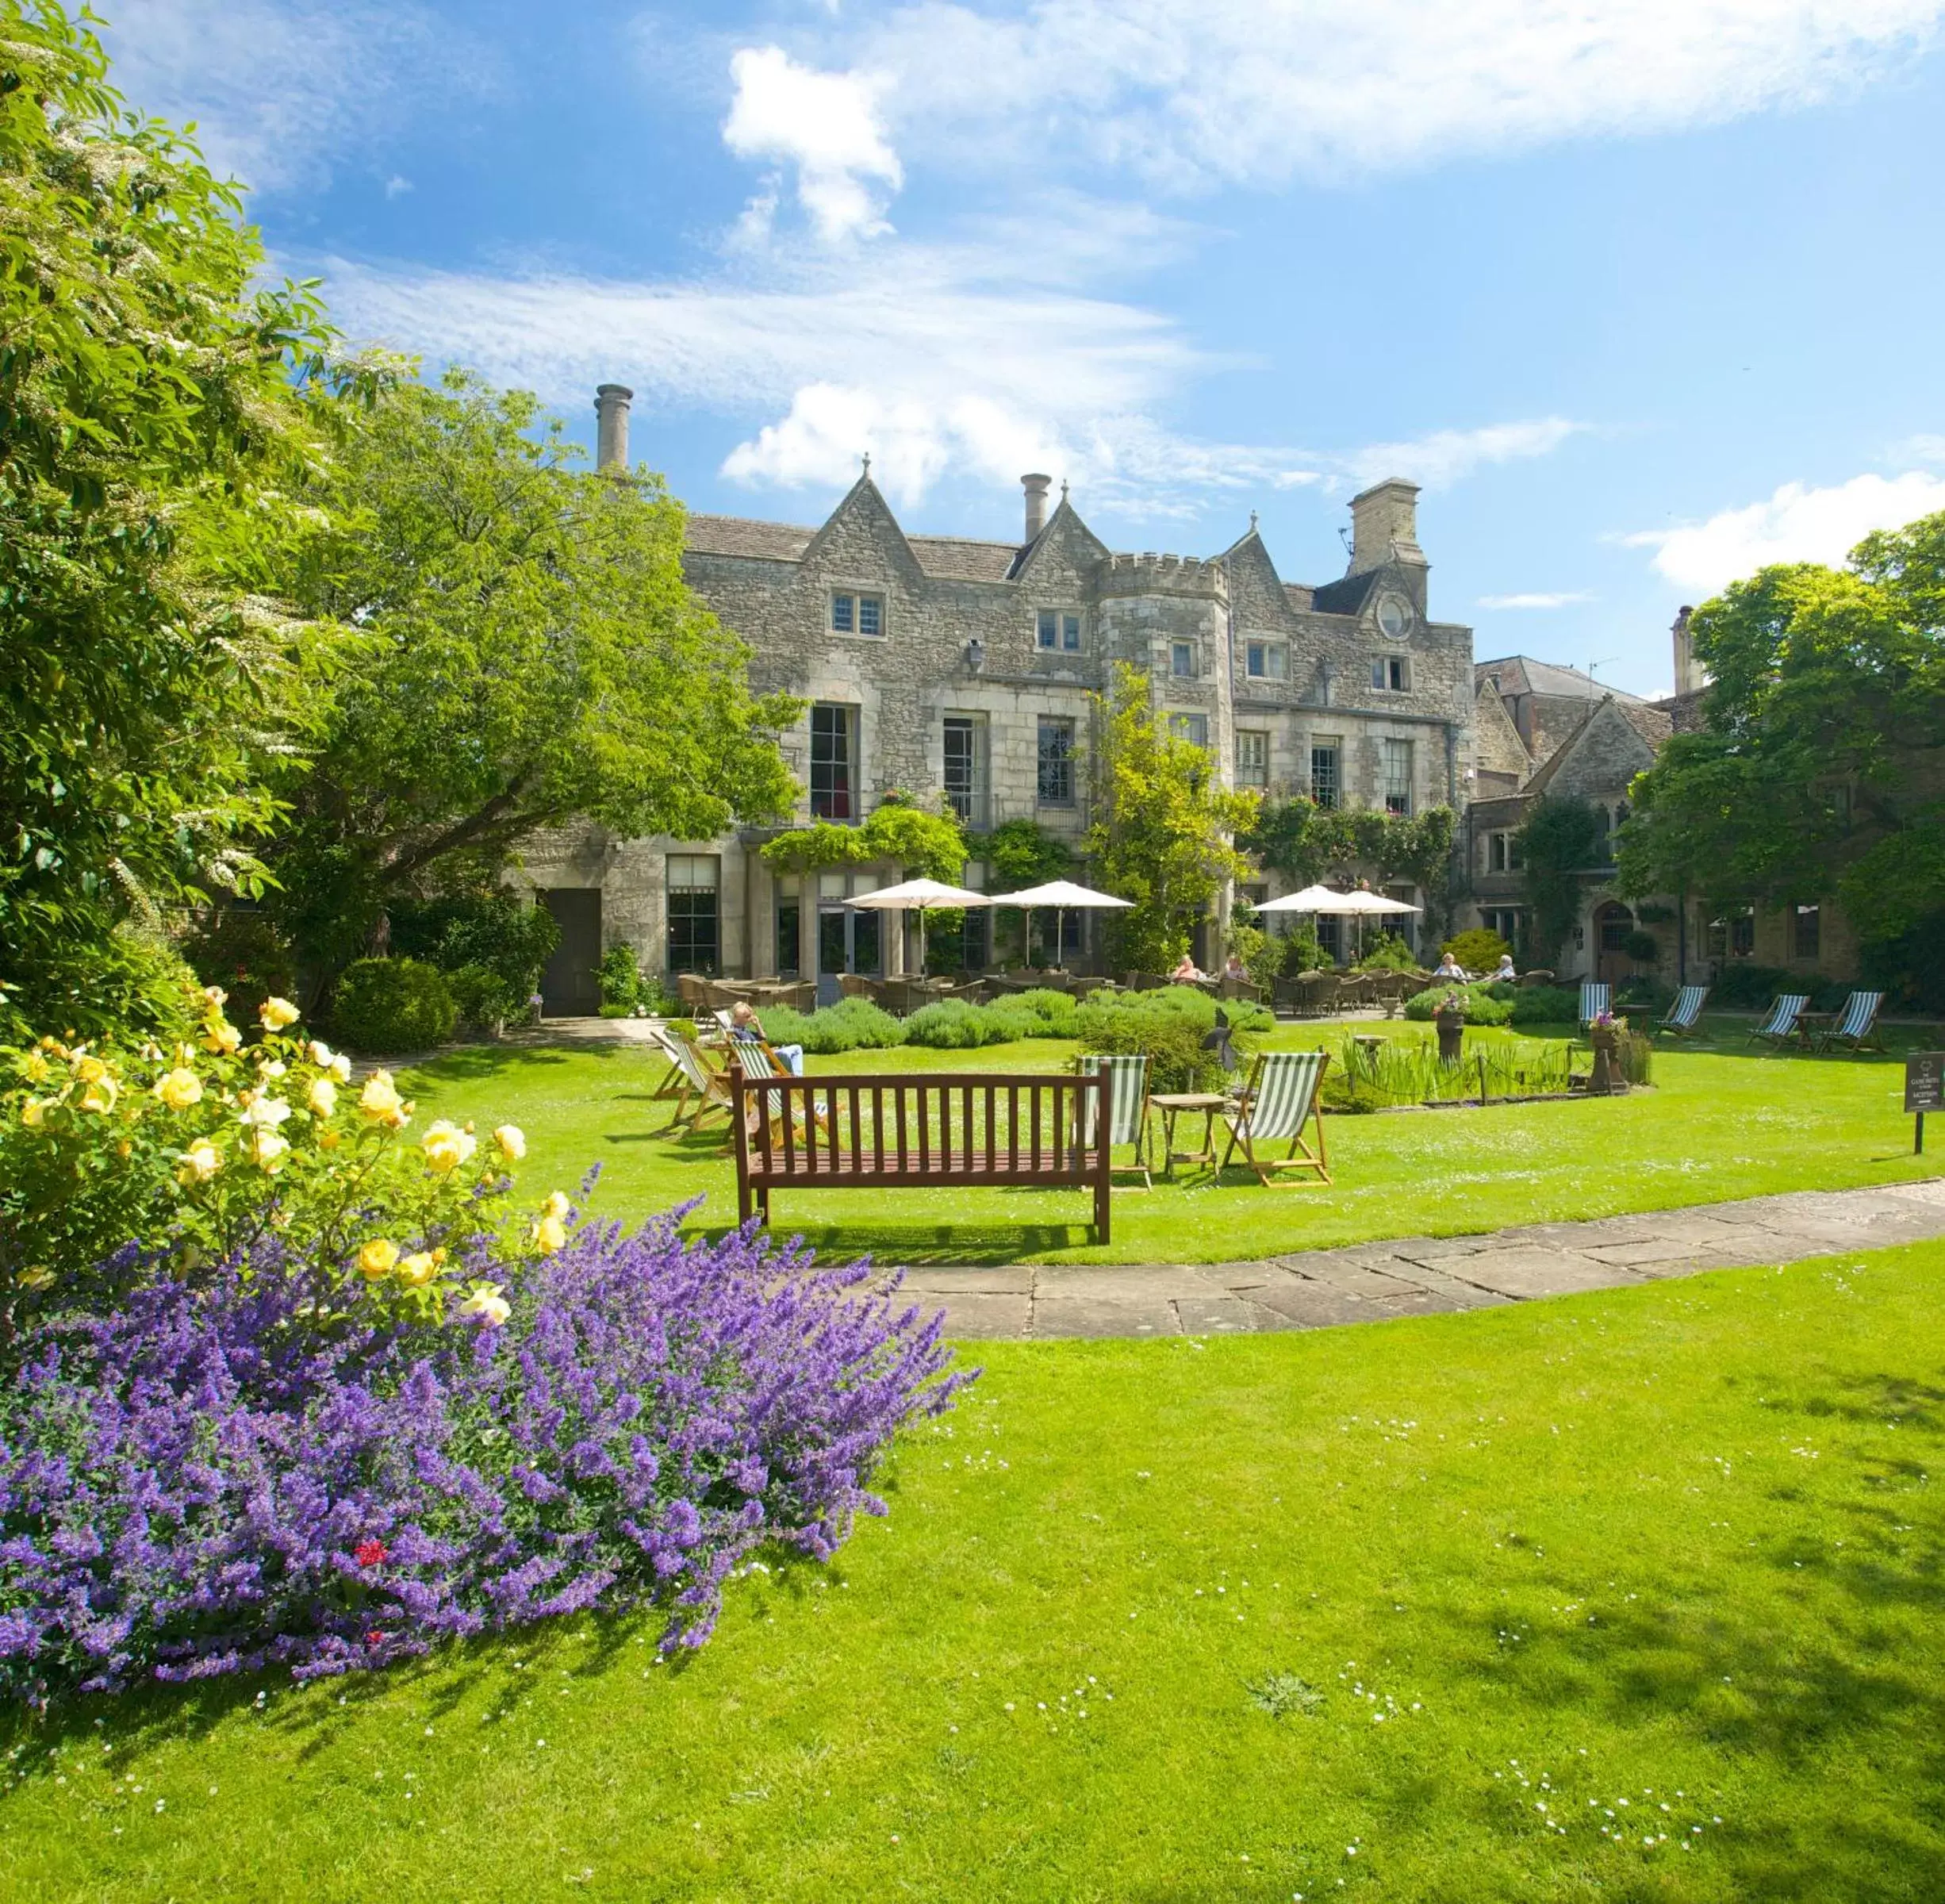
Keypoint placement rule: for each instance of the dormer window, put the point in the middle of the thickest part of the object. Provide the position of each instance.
(1059, 629)
(1267, 660)
(1390, 673)
(852, 614)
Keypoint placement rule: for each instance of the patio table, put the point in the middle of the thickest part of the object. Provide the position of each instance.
(1172, 1105)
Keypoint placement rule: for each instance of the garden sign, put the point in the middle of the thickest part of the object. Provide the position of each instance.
(1924, 1089)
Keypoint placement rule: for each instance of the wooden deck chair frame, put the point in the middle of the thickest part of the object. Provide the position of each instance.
(1782, 1024)
(742, 1049)
(1866, 1037)
(1594, 999)
(1242, 1122)
(1119, 1068)
(1685, 1013)
(708, 1086)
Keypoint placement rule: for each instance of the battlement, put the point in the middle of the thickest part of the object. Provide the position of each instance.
(1151, 573)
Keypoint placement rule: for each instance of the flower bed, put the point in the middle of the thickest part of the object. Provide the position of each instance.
(210, 1480)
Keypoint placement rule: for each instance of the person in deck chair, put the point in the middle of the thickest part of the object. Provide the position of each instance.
(745, 1024)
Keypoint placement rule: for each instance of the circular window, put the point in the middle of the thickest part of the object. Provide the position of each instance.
(1394, 617)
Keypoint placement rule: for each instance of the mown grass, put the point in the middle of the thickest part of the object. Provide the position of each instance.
(1675, 1544)
(1718, 1124)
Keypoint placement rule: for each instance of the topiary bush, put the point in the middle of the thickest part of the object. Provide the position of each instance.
(1546, 1005)
(953, 1025)
(1481, 1006)
(393, 1004)
(1479, 949)
(853, 1024)
(203, 1481)
(483, 1000)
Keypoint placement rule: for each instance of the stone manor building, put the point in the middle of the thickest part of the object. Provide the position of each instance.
(947, 666)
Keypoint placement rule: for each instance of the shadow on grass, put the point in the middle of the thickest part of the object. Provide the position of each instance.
(919, 1245)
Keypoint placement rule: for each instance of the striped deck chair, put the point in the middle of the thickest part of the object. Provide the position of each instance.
(756, 1061)
(1127, 1111)
(1283, 1095)
(1594, 999)
(1780, 1027)
(699, 1080)
(1856, 1028)
(1685, 1014)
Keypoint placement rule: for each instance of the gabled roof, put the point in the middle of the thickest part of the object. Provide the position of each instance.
(956, 557)
(1522, 674)
(739, 535)
(1551, 769)
(1346, 596)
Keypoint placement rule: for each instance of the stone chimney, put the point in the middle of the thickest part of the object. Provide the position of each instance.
(1688, 676)
(1036, 488)
(1384, 526)
(610, 428)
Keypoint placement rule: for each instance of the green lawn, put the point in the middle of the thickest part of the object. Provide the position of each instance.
(1674, 1545)
(1718, 1124)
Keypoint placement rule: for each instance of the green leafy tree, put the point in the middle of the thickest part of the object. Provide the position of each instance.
(926, 845)
(1560, 839)
(154, 445)
(1164, 827)
(531, 653)
(1309, 843)
(1021, 853)
(1821, 766)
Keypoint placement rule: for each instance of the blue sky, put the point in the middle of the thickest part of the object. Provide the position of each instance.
(1644, 294)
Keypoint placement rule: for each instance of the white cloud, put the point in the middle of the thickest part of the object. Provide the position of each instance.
(397, 186)
(1919, 449)
(1248, 90)
(1797, 524)
(1537, 601)
(825, 124)
(281, 91)
(1445, 457)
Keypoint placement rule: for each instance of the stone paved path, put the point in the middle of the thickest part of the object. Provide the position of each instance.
(1422, 1275)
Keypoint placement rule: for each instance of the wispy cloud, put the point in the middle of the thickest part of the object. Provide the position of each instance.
(1537, 601)
(284, 90)
(1237, 90)
(1444, 457)
(1797, 524)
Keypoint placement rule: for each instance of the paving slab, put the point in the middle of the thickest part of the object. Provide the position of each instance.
(1004, 1280)
(1103, 1315)
(1528, 1272)
(1305, 1305)
(1215, 1315)
(987, 1319)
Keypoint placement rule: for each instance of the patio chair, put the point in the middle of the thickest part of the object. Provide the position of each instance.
(1355, 989)
(1390, 989)
(1856, 1028)
(1538, 975)
(1322, 993)
(1145, 981)
(1283, 1095)
(700, 1078)
(854, 984)
(1685, 1013)
(1127, 1111)
(1780, 1027)
(1594, 999)
(689, 987)
(1286, 994)
(1241, 988)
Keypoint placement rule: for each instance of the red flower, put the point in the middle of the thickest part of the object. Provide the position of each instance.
(374, 1638)
(370, 1553)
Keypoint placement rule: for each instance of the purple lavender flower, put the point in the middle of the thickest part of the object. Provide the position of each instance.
(208, 1482)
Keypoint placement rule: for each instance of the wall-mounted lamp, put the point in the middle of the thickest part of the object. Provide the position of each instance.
(975, 655)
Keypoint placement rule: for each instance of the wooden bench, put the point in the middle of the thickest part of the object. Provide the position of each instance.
(910, 1132)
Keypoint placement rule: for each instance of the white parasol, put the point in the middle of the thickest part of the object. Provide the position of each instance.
(1064, 897)
(919, 895)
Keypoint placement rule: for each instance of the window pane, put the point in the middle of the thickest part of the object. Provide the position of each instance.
(841, 607)
(831, 762)
(1324, 787)
(693, 937)
(1183, 659)
(1378, 675)
(1256, 664)
(1396, 757)
(1278, 660)
(1048, 621)
(1056, 772)
(1253, 757)
(961, 765)
(870, 615)
(1193, 729)
(1808, 930)
(1070, 631)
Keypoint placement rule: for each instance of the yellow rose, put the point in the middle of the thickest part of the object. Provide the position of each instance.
(418, 1270)
(324, 1097)
(549, 1235)
(377, 1259)
(90, 1070)
(33, 1114)
(201, 1161)
(220, 1035)
(266, 1113)
(37, 1069)
(269, 1150)
(179, 1089)
(35, 1278)
(215, 997)
(329, 1140)
(487, 1302)
(557, 1205)
(446, 1146)
(318, 1052)
(341, 1069)
(271, 1067)
(380, 1101)
(512, 1141)
(100, 1098)
(277, 1012)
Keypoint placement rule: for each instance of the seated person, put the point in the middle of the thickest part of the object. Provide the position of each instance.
(1505, 973)
(745, 1024)
(1187, 972)
(1449, 967)
(1232, 967)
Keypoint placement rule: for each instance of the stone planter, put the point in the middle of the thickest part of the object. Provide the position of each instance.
(1451, 1027)
(1605, 1080)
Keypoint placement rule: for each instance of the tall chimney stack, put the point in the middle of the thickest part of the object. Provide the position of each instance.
(1036, 488)
(610, 428)
(1688, 677)
(1384, 526)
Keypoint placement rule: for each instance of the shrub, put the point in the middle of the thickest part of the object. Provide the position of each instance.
(1477, 950)
(1262, 956)
(1546, 1005)
(1389, 954)
(620, 979)
(1481, 1006)
(393, 1004)
(499, 929)
(1643, 948)
(1642, 993)
(853, 1024)
(951, 1024)
(1168, 1026)
(483, 1000)
(197, 1484)
(1049, 1013)
(110, 1155)
(1301, 952)
(244, 952)
(130, 979)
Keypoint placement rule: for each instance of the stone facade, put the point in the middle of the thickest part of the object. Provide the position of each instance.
(912, 648)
